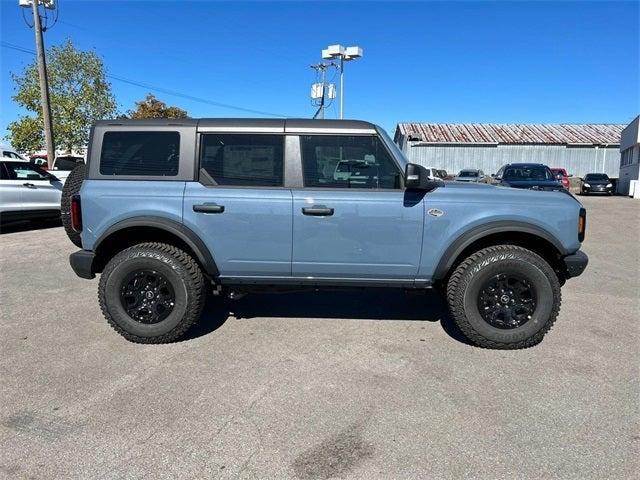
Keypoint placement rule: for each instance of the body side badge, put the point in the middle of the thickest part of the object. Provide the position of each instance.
(435, 212)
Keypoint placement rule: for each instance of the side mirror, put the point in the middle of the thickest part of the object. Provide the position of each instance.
(416, 177)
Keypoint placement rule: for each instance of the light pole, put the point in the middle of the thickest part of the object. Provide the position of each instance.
(344, 54)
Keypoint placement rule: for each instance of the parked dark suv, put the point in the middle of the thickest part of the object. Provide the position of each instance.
(533, 176)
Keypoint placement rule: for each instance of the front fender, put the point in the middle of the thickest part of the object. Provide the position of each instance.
(477, 232)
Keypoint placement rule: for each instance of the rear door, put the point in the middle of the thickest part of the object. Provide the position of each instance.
(239, 204)
(355, 223)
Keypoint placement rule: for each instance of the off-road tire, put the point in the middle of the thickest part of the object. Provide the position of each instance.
(71, 187)
(177, 267)
(465, 283)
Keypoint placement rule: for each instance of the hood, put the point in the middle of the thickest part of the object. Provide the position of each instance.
(483, 192)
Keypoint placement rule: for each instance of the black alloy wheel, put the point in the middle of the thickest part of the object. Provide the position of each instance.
(507, 301)
(147, 296)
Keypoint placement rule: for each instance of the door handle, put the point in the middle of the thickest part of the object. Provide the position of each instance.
(29, 185)
(317, 211)
(208, 208)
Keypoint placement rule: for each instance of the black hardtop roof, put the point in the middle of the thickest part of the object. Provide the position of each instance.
(293, 123)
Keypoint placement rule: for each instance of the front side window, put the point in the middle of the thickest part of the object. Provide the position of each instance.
(140, 153)
(348, 162)
(242, 160)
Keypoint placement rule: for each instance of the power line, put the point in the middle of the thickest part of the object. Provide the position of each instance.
(163, 90)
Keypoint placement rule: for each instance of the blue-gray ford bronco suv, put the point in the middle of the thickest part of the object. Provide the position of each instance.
(168, 211)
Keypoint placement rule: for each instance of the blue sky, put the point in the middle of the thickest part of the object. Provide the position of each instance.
(497, 62)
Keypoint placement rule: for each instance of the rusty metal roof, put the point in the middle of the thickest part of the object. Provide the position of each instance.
(512, 133)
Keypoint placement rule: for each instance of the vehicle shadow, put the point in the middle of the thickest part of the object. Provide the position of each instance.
(27, 225)
(369, 304)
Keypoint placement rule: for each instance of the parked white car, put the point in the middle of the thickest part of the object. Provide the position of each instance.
(433, 173)
(10, 153)
(27, 191)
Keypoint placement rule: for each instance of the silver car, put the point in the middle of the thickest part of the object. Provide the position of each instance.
(470, 175)
(27, 191)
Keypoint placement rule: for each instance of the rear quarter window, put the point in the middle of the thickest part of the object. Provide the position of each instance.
(140, 153)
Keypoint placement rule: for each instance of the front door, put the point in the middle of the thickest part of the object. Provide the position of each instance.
(352, 219)
(240, 207)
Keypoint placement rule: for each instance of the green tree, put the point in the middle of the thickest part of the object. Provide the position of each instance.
(79, 95)
(151, 107)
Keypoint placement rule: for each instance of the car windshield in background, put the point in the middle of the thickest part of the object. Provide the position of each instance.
(67, 163)
(528, 173)
(468, 174)
(594, 177)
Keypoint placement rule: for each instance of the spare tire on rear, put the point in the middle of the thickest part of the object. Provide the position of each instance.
(71, 187)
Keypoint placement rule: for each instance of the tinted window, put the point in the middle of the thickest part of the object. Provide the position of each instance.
(247, 160)
(140, 153)
(595, 177)
(467, 173)
(25, 171)
(528, 173)
(347, 162)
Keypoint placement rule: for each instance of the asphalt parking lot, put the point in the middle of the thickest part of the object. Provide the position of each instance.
(319, 385)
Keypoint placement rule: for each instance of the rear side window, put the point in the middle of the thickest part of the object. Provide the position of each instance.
(242, 160)
(140, 153)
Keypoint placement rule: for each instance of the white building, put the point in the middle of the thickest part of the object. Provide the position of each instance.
(579, 148)
(629, 155)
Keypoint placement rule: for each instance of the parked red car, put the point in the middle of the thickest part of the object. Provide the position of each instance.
(557, 171)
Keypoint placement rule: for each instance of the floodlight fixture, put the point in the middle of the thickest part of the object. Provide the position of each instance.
(334, 52)
(49, 4)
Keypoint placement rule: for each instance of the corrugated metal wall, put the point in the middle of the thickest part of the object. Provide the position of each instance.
(577, 160)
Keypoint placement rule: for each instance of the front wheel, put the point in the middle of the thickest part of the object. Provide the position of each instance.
(504, 297)
(151, 293)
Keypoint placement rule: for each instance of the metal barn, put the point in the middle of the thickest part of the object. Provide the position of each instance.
(581, 149)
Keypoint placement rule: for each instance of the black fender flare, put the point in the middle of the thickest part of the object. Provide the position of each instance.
(171, 226)
(454, 250)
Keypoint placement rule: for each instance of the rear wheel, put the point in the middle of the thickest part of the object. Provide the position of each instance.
(151, 293)
(504, 297)
(71, 187)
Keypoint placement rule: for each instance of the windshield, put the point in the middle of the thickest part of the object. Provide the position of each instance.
(595, 177)
(467, 173)
(67, 163)
(524, 173)
(391, 145)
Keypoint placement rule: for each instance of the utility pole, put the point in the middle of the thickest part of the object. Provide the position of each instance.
(319, 91)
(341, 87)
(44, 84)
